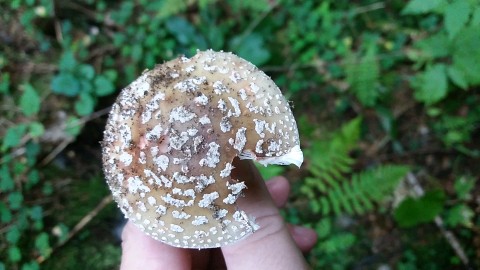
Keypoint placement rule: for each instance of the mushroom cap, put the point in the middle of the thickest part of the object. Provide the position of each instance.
(171, 138)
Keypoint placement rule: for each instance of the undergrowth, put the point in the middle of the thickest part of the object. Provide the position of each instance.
(386, 95)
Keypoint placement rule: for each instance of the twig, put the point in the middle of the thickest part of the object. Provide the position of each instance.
(367, 8)
(80, 225)
(93, 115)
(36, 68)
(257, 21)
(58, 27)
(376, 147)
(57, 150)
(77, 7)
(16, 153)
(449, 236)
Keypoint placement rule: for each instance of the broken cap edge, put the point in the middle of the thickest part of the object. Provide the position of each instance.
(294, 156)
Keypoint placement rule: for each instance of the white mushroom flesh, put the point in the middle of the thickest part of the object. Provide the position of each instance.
(171, 138)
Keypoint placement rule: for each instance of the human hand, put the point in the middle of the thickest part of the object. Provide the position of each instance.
(274, 246)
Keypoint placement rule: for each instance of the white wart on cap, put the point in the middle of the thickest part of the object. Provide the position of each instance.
(171, 138)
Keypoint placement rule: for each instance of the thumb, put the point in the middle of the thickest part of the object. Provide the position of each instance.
(271, 247)
(140, 251)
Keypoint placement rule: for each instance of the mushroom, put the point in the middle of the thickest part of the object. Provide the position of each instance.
(171, 138)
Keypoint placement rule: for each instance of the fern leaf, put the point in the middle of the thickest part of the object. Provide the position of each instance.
(324, 228)
(338, 243)
(325, 206)
(361, 193)
(334, 200)
(373, 186)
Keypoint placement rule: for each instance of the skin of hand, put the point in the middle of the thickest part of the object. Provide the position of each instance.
(275, 245)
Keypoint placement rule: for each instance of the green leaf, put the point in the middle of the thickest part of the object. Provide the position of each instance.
(86, 86)
(73, 126)
(15, 199)
(171, 7)
(349, 133)
(14, 254)
(137, 52)
(18, 167)
(47, 189)
(251, 5)
(32, 151)
(6, 181)
(324, 227)
(42, 244)
(13, 136)
(431, 86)
(457, 77)
(61, 231)
(65, 84)
(103, 86)
(421, 6)
(459, 214)
(86, 71)
(13, 235)
(30, 100)
(434, 46)
(85, 104)
(466, 54)
(337, 243)
(456, 16)
(463, 186)
(184, 32)
(363, 78)
(5, 213)
(252, 48)
(36, 129)
(33, 178)
(476, 17)
(4, 83)
(111, 74)
(67, 62)
(33, 265)
(36, 213)
(412, 212)
(270, 171)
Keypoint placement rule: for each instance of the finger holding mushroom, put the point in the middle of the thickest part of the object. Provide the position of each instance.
(172, 136)
(275, 246)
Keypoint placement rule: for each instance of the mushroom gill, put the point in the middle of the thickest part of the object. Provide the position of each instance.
(171, 138)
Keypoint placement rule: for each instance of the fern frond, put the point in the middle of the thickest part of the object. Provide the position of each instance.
(365, 189)
(329, 161)
(329, 190)
(324, 228)
(338, 243)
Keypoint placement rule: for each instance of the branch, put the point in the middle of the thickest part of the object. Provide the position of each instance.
(80, 225)
(449, 236)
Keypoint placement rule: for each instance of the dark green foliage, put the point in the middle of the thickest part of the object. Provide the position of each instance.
(329, 189)
(407, 73)
(412, 212)
(333, 190)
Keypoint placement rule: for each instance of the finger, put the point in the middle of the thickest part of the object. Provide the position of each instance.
(279, 188)
(271, 247)
(143, 252)
(305, 238)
